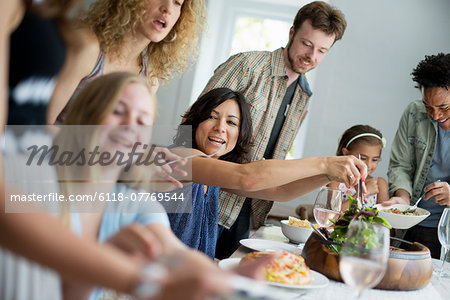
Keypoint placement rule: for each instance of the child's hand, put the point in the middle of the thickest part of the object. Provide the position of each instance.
(372, 186)
(395, 200)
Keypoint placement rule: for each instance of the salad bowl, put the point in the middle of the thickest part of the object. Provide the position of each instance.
(409, 268)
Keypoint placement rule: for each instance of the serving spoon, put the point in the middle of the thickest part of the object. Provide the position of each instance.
(414, 207)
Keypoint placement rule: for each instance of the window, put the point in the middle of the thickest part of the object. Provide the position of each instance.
(259, 34)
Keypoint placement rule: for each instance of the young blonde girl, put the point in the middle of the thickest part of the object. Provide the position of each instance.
(367, 142)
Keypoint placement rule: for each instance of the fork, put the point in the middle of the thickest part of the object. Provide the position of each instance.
(414, 207)
(195, 155)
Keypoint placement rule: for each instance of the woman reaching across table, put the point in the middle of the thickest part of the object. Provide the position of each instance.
(219, 123)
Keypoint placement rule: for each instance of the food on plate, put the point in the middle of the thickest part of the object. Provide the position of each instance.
(301, 223)
(286, 267)
(405, 213)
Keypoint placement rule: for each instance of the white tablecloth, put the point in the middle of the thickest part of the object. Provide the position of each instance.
(437, 289)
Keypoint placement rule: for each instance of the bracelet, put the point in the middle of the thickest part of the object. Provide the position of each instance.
(149, 284)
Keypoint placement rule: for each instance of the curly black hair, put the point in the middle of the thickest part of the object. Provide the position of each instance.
(201, 110)
(433, 71)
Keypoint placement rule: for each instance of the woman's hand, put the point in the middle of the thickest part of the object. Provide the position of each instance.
(161, 157)
(440, 190)
(347, 169)
(137, 241)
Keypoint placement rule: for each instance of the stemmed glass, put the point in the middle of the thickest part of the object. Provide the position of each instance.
(444, 236)
(364, 255)
(327, 206)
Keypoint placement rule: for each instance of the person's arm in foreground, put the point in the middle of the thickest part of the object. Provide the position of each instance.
(40, 237)
(191, 274)
(44, 239)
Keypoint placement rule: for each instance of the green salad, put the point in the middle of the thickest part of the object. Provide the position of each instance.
(355, 211)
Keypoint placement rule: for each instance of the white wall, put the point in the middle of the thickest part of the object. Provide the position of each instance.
(364, 79)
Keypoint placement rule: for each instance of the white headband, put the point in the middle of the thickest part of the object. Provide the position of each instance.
(383, 140)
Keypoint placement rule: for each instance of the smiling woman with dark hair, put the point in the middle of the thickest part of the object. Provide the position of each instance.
(201, 111)
(220, 127)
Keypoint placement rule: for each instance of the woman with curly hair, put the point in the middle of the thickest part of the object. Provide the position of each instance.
(154, 38)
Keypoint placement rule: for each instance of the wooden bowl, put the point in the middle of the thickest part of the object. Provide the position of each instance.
(410, 269)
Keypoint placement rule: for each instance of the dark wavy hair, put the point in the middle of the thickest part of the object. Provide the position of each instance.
(433, 71)
(201, 110)
(354, 131)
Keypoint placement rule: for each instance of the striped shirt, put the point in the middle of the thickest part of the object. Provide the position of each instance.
(261, 76)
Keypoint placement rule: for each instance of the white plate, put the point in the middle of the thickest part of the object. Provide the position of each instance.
(267, 245)
(318, 280)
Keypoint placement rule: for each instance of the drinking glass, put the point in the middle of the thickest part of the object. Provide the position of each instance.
(327, 206)
(364, 255)
(444, 236)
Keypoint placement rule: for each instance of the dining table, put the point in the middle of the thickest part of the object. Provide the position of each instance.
(438, 288)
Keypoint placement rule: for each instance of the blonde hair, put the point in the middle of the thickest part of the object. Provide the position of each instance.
(99, 98)
(112, 20)
(91, 106)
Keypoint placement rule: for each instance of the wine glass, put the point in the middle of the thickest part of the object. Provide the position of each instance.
(327, 206)
(444, 236)
(364, 255)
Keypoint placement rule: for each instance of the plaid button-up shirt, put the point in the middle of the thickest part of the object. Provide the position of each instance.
(261, 76)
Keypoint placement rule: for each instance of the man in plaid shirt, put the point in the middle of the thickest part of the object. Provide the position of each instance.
(275, 85)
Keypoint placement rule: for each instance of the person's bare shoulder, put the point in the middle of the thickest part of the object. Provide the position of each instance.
(80, 39)
(82, 50)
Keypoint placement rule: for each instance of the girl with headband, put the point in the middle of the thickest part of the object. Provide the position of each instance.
(368, 143)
